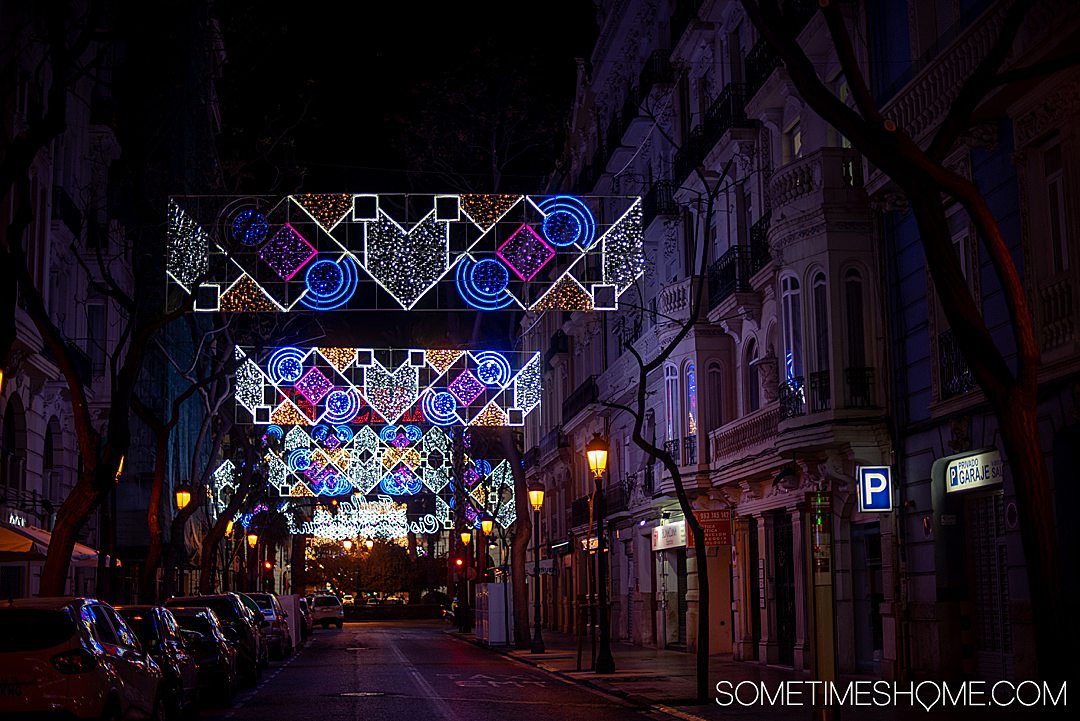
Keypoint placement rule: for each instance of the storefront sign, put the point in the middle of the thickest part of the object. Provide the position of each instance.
(669, 535)
(975, 470)
(717, 526)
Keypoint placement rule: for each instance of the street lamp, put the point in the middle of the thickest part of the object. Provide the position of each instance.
(369, 544)
(183, 495)
(597, 453)
(252, 539)
(466, 536)
(536, 499)
(347, 543)
(486, 524)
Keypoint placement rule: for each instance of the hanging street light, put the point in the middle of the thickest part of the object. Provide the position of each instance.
(183, 495)
(370, 544)
(252, 539)
(466, 537)
(486, 524)
(347, 543)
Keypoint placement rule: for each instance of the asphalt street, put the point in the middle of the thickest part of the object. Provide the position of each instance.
(414, 670)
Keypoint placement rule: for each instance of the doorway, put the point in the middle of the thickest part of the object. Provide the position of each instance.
(867, 595)
(784, 585)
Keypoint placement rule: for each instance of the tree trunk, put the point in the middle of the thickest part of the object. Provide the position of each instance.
(703, 640)
(69, 521)
(148, 587)
(519, 540)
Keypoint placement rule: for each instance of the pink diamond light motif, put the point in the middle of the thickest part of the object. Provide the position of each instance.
(525, 252)
(314, 385)
(466, 387)
(287, 252)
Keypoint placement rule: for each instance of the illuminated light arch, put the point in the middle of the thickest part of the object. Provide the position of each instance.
(330, 284)
(492, 368)
(440, 407)
(486, 292)
(286, 365)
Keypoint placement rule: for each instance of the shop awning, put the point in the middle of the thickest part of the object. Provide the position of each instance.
(27, 543)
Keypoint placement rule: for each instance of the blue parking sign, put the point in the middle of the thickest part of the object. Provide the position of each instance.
(875, 488)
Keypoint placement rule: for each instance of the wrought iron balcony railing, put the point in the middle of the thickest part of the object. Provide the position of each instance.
(659, 200)
(954, 375)
(690, 451)
(656, 71)
(793, 398)
(729, 274)
(584, 395)
(820, 392)
(860, 387)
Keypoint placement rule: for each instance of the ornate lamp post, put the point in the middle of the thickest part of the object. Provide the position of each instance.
(597, 452)
(536, 499)
(183, 495)
(464, 607)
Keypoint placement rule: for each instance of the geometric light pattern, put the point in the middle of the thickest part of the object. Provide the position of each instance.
(293, 386)
(353, 251)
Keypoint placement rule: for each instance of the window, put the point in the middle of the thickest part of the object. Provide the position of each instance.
(959, 229)
(793, 144)
(671, 408)
(1055, 206)
(753, 382)
(821, 323)
(790, 300)
(691, 400)
(855, 321)
(715, 411)
(95, 337)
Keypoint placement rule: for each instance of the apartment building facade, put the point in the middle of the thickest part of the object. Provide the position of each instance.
(792, 376)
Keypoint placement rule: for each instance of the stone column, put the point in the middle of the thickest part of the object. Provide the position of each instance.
(802, 599)
(767, 648)
(745, 603)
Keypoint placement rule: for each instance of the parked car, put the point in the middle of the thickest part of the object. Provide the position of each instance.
(159, 635)
(327, 610)
(278, 634)
(260, 623)
(307, 623)
(205, 636)
(239, 627)
(76, 658)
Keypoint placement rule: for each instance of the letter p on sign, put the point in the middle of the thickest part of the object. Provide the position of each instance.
(875, 488)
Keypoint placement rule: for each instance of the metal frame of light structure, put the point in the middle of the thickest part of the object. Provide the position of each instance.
(322, 252)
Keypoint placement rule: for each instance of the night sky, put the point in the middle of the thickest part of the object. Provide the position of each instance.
(343, 85)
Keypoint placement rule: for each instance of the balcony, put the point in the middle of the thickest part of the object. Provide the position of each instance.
(759, 243)
(793, 398)
(659, 201)
(738, 437)
(672, 449)
(630, 110)
(579, 512)
(689, 155)
(729, 274)
(616, 498)
(531, 459)
(762, 59)
(559, 343)
(628, 329)
(727, 111)
(656, 71)
(859, 388)
(954, 375)
(820, 392)
(583, 396)
(552, 441)
(828, 175)
(676, 300)
(686, 11)
(1056, 311)
(689, 456)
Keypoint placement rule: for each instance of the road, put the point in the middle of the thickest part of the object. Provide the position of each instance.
(414, 670)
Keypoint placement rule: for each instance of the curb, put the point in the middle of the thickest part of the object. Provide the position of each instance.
(631, 698)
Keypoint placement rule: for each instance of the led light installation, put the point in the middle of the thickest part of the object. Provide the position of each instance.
(357, 386)
(331, 251)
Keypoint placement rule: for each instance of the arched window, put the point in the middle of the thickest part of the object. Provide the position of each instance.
(671, 395)
(691, 400)
(753, 382)
(790, 296)
(715, 410)
(858, 376)
(821, 323)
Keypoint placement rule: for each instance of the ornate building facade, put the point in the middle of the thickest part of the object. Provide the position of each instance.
(811, 355)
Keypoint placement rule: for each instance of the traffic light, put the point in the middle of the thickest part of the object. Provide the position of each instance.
(268, 565)
(459, 562)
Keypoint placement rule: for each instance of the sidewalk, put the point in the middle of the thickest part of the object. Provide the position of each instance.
(665, 681)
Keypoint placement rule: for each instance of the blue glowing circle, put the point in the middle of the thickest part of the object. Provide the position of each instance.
(330, 284)
(562, 228)
(319, 433)
(567, 221)
(490, 277)
(324, 278)
(482, 285)
(440, 408)
(249, 227)
(388, 433)
(300, 459)
(492, 368)
(341, 406)
(483, 468)
(286, 365)
(274, 431)
(344, 433)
